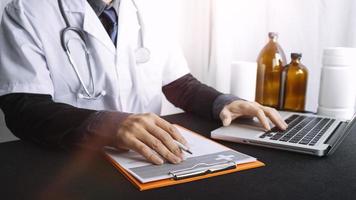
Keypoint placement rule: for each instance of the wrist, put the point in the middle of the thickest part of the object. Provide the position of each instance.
(101, 128)
(221, 101)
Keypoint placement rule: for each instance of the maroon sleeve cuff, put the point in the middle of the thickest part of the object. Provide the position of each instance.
(192, 96)
(98, 130)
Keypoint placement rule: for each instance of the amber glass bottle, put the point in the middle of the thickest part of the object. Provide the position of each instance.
(270, 66)
(296, 80)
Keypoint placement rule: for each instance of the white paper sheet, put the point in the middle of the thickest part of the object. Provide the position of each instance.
(199, 146)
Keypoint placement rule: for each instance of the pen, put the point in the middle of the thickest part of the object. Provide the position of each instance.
(182, 147)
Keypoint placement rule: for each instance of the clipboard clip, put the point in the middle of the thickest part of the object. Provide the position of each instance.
(201, 169)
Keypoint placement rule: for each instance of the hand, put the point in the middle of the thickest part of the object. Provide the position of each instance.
(152, 137)
(241, 108)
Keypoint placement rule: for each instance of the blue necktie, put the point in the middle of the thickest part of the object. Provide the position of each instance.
(109, 20)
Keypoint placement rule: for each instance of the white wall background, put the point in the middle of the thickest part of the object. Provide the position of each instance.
(216, 32)
(213, 33)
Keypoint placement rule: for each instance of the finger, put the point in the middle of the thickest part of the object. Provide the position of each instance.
(226, 117)
(260, 114)
(158, 147)
(171, 130)
(141, 148)
(166, 139)
(278, 115)
(275, 117)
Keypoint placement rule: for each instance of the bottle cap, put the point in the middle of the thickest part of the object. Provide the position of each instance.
(295, 56)
(340, 51)
(339, 56)
(272, 35)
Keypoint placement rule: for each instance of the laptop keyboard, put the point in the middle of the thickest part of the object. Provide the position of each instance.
(305, 130)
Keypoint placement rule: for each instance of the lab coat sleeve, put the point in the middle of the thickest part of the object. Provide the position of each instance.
(23, 67)
(176, 65)
(37, 118)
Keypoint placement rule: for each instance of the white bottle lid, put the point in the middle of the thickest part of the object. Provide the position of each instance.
(339, 56)
(339, 113)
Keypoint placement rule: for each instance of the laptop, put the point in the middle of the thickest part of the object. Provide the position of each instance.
(306, 133)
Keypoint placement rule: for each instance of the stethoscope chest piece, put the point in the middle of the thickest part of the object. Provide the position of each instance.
(142, 55)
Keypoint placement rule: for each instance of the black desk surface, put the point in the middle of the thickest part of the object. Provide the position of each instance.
(31, 172)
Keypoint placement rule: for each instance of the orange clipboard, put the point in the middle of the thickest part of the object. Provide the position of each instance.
(171, 181)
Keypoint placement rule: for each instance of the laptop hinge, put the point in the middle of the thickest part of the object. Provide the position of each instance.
(340, 133)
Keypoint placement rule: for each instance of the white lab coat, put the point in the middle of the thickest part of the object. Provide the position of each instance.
(32, 60)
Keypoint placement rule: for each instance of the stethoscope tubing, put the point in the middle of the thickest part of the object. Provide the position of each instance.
(142, 53)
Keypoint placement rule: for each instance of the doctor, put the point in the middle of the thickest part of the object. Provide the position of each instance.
(93, 72)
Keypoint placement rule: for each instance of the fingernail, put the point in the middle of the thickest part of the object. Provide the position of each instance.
(180, 155)
(158, 161)
(177, 161)
(184, 158)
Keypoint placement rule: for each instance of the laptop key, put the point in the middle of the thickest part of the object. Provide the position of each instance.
(291, 118)
(267, 134)
(294, 141)
(304, 142)
(277, 136)
(312, 143)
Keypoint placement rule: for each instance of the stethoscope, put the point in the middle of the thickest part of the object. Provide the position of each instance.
(142, 54)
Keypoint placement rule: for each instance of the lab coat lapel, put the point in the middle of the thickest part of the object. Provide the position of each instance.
(94, 27)
(126, 62)
(128, 25)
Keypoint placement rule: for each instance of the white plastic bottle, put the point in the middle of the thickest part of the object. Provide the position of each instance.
(338, 83)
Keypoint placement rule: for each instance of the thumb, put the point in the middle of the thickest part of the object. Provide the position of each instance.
(225, 117)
